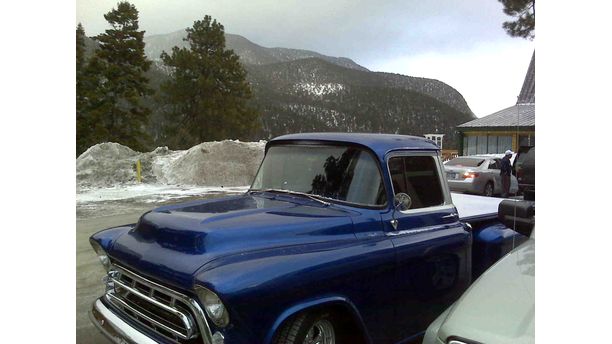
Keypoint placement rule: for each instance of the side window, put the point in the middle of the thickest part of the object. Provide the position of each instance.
(396, 168)
(418, 177)
(494, 165)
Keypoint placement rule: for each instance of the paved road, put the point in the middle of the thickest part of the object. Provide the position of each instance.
(90, 272)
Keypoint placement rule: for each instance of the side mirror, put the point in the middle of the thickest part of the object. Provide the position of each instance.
(402, 201)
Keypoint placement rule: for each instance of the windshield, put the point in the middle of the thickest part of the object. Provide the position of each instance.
(465, 162)
(336, 172)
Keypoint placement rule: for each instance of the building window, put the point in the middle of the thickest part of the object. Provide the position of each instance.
(504, 143)
(491, 144)
(482, 145)
(471, 145)
(437, 138)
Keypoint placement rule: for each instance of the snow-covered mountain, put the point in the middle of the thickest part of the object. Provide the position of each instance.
(249, 52)
(299, 91)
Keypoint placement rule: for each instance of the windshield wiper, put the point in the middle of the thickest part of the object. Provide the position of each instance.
(290, 192)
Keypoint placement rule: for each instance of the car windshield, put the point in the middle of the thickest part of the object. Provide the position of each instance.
(340, 173)
(465, 162)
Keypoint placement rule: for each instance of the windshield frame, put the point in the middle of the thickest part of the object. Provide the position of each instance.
(310, 144)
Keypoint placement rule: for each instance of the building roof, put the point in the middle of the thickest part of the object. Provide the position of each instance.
(522, 115)
(527, 95)
(381, 144)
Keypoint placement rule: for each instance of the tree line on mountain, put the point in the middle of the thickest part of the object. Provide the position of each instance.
(205, 96)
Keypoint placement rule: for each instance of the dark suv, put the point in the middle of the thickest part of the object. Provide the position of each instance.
(524, 170)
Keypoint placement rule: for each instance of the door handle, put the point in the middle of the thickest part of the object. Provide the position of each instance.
(450, 216)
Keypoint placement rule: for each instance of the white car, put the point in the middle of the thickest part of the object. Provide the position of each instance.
(477, 174)
(499, 307)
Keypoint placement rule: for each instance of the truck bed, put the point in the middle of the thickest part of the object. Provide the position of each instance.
(475, 208)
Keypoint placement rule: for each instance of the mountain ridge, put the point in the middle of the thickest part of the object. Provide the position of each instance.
(249, 52)
(300, 90)
(316, 95)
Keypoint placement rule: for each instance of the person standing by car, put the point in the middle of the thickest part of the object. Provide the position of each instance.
(506, 172)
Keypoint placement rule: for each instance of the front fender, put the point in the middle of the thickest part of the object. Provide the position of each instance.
(262, 289)
(334, 300)
(107, 237)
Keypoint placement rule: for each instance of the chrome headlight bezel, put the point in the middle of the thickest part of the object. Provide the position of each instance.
(101, 253)
(213, 306)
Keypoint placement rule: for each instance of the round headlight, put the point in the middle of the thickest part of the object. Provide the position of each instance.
(101, 254)
(213, 306)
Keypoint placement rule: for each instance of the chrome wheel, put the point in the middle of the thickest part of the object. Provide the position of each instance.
(488, 190)
(321, 332)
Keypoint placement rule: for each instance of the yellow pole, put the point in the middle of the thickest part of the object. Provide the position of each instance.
(138, 176)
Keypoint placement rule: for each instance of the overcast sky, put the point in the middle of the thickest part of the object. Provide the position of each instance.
(458, 42)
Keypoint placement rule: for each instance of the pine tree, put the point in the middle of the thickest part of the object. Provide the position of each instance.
(524, 11)
(82, 132)
(122, 63)
(90, 105)
(206, 96)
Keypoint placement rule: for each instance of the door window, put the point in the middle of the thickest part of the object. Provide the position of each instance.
(418, 177)
(494, 165)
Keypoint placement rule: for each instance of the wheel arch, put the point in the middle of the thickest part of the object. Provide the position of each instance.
(336, 302)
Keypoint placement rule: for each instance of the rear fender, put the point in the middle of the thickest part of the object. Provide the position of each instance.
(314, 304)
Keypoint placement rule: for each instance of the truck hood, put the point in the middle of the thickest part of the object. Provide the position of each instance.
(171, 243)
(500, 306)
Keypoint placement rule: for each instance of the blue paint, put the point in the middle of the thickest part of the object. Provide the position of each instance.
(270, 255)
(492, 240)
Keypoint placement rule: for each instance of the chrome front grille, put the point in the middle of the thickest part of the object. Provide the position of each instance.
(162, 310)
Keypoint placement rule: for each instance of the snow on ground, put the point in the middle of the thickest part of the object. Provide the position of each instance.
(150, 193)
(318, 89)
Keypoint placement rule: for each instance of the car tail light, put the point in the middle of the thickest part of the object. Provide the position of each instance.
(470, 175)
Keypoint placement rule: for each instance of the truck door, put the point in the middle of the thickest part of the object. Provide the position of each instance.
(432, 247)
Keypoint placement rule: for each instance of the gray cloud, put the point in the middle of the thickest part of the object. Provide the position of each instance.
(360, 29)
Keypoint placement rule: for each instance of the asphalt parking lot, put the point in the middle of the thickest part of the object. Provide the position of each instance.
(90, 272)
(91, 218)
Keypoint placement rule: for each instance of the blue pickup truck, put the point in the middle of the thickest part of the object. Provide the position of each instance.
(342, 238)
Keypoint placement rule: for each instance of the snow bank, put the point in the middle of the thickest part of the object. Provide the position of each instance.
(106, 164)
(225, 163)
(214, 164)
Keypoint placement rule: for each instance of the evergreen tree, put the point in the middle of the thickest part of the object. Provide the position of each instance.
(206, 96)
(90, 105)
(81, 131)
(80, 48)
(122, 63)
(524, 11)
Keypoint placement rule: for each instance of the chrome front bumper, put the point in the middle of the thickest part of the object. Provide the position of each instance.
(115, 329)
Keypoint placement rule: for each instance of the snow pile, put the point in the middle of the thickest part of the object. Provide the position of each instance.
(106, 164)
(214, 164)
(225, 163)
(317, 89)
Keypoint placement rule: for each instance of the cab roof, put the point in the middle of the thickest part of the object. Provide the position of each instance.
(380, 144)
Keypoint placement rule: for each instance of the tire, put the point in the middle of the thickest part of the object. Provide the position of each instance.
(307, 328)
(489, 189)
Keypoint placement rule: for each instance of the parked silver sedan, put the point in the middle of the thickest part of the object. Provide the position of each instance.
(477, 174)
